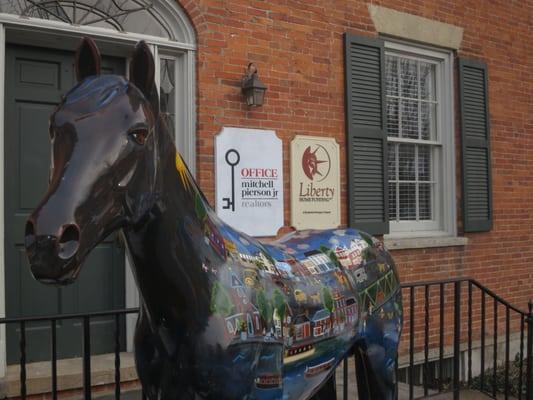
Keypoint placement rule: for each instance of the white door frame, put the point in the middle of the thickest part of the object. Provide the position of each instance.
(184, 54)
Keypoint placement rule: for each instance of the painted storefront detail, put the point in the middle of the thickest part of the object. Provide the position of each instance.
(295, 298)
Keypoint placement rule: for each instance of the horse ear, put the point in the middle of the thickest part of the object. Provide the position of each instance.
(87, 62)
(142, 69)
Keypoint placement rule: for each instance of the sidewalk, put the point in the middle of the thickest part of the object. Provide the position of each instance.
(403, 389)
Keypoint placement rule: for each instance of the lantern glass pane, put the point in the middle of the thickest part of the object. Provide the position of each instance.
(250, 97)
(258, 97)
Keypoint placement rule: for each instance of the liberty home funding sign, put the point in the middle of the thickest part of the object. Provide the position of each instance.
(249, 180)
(315, 183)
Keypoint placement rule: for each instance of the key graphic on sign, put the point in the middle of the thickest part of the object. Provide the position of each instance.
(232, 158)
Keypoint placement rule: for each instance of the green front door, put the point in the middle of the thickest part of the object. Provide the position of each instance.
(35, 80)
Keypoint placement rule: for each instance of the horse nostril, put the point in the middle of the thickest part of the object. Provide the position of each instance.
(29, 234)
(69, 242)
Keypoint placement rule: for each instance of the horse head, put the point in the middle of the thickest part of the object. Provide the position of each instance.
(102, 166)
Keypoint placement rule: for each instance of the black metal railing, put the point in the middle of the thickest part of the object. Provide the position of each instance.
(454, 303)
(465, 314)
(86, 346)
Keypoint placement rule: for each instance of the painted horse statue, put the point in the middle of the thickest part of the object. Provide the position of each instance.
(223, 316)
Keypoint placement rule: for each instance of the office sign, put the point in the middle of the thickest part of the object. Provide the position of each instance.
(249, 180)
(315, 183)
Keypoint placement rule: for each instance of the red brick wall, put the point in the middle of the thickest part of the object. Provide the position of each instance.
(297, 46)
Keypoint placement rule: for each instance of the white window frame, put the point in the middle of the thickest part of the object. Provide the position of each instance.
(47, 32)
(443, 202)
(184, 118)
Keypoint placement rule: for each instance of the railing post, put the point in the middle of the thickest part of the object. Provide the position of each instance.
(441, 336)
(456, 339)
(469, 367)
(482, 341)
(345, 379)
(507, 350)
(22, 345)
(521, 361)
(53, 348)
(426, 340)
(117, 356)
(411, 342)
(86, 359)
(495, 347)
(529, 368)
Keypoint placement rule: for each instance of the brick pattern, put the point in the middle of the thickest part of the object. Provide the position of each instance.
(297, 46)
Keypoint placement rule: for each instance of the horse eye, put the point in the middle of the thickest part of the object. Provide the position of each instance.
(139, 135)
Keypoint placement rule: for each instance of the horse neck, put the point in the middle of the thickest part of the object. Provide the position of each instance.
(167, 257)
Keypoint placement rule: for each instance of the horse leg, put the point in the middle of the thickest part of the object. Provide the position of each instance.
(378, 354)
(328, 391)
(362, 374)
(374, 382)
(157, 372)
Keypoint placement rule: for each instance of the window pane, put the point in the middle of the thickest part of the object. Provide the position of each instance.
(392, 162)
(392, 201)
(407, 201)
(427, 81)
(140, 16)
(392, 116)
(428, 121)
(424, 163)
(406, 158)
(409, 78)
(167, 93)
(424, 198)
(409, 119)
(412, 114)
(391, 75)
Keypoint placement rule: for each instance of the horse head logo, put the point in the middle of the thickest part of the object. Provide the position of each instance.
(317, 162)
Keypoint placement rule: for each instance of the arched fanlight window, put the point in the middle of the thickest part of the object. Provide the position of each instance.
(146, 17)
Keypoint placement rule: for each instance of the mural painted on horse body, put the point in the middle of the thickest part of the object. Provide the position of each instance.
(222, 316)
(293, 299)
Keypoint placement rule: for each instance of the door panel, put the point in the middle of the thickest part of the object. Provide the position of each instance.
(35, 80)
(33, 177)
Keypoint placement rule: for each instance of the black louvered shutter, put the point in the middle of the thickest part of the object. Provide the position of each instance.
(475, 134)
(366, 134)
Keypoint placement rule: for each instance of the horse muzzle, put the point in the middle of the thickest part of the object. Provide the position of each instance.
(53, 259)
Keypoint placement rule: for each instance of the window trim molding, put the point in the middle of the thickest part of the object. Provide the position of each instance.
(415, 28)
(425, 242)
(446, 123)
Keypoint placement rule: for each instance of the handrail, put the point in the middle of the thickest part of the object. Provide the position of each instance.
(525, 320)
(70, 316)
(489, 387)
(464, 279)
(495, 296)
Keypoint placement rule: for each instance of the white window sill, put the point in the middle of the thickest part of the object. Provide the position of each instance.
(424, 242)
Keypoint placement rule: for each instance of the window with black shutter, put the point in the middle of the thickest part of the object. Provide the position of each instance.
(366, 134)
(400, 141)
(475, 134)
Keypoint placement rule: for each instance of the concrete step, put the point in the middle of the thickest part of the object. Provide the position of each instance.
(70, 381)
(69, 375)
(403, 389)
(464, 395)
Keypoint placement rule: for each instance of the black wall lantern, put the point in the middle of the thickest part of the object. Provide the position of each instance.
(252, 87)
